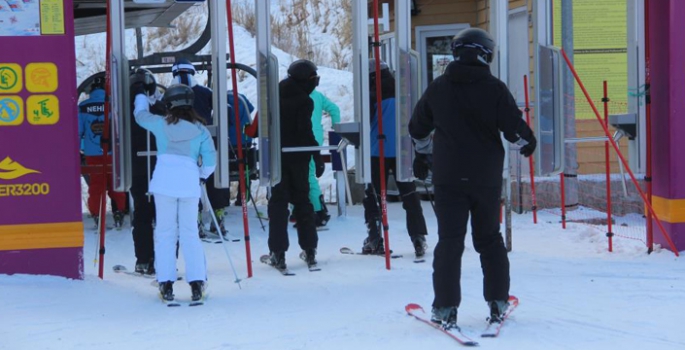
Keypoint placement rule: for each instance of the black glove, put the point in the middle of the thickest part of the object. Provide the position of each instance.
(528, 149)
(422, 165)
(318, 164)
(138, 88)
(203, 182)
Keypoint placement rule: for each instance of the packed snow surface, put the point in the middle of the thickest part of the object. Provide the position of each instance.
(574, 295)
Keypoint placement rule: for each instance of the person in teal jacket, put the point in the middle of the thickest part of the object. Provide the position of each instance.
(321, 104)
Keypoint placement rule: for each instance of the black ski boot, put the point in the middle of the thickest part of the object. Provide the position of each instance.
(118, 219)
(420, 245)
(166, 291)
(310, 257)
(277, 260)
(497, 310)
(197, 288)
(445, 317)
(373, 244)
(322, 218)
(145, 267)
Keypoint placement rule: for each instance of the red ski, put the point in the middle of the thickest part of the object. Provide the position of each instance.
(459, 337)
(492, 330)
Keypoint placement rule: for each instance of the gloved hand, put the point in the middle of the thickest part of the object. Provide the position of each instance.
(422, 165)
(203, 182)
(319, 164)
(528, 149)
(138, 88)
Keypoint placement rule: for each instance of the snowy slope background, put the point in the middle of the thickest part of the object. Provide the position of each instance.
(574, 294)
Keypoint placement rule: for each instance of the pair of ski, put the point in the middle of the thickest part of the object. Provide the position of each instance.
(215, 238)
(349, 251)
(266, 259)
(177, 303)
(491, 331)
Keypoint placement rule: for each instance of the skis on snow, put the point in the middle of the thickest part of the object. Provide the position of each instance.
(267, 260)
(124, 270)
(313, 267)
(348, 251)
(455, 334)
(492, 330)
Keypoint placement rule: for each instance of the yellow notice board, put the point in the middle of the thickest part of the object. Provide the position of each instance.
(51, 17)
(600, 53)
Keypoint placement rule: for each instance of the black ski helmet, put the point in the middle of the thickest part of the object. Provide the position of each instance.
(178, 95)
(474, 39)
(97, 83)
(182, 66)
(302, 70)
(145, 77)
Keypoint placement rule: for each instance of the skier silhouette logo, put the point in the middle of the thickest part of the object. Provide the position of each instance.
(8, 78)
(10, 170)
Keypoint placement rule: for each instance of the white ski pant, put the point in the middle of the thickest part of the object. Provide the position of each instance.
(177, 222)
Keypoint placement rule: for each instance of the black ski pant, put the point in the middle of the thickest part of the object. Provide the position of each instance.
(218, 197)
(411, 202)
(453, 204)
(143, 215)
(293, 188)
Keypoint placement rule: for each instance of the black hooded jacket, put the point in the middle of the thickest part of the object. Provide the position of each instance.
(296, 119)
(468, 107)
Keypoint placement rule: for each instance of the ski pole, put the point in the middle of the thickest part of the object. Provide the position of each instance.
(430, 198)
(205, 199)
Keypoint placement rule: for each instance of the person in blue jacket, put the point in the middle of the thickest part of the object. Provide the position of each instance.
(183, 142)
(91, 118)
(411, 203)
(245, 109)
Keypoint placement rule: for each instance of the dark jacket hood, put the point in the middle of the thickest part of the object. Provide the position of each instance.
(461, 73)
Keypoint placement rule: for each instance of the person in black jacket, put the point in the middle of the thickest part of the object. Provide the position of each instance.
(296, 131)
(458, 120)
(143, 202)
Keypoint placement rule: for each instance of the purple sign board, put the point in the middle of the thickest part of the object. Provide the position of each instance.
(40, 188)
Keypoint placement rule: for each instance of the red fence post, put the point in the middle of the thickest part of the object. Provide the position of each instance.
(610, 234)
(563, 201)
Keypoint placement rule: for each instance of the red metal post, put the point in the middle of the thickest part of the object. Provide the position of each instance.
(238, 134)
(620, 156)
(381, 136)
(648, 131)
(530, 159)
(607, 160)
(563, 201)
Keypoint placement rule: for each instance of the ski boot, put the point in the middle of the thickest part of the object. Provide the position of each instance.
(420, 245)
(166, 291)
(321, 218)
(373, 244)
(219, 214)
(446, 317)
(197, 288)
(310, 257)
(118, 220)
(145, 267)
(277, 260)
(497, 310)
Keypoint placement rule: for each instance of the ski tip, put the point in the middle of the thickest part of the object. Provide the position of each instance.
(411, 307)
(470, 343)
(513, 300)
(346, 250)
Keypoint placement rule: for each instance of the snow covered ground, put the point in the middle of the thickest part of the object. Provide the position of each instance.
(574, 295)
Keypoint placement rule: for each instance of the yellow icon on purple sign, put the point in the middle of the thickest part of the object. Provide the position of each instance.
(10, 78)
(41, 77)
(11, 110)
(42, 109)
(10, 170)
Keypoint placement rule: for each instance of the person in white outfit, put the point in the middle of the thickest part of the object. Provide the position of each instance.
(183, 142)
